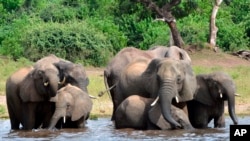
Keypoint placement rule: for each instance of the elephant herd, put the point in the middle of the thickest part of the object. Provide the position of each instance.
(150, 89)
(41, 95)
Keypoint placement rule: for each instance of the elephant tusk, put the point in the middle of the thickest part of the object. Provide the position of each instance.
(93, 97)
(220, 93)
(237, 94)
(64, 119)
(177, 100)
(157, 98)
(46, 83)
(63, 81)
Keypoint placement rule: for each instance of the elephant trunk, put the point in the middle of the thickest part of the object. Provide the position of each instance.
(59, 112)
(166, 94)
(231, 107)
(53, 84)
(83, 86)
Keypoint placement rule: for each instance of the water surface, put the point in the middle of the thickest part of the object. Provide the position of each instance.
(103, 129)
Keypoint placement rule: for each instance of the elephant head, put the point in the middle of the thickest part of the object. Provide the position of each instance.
(178, 54)
(39, 85)
(219, 87)
(72, 73)
(171, 80)
(71, 102)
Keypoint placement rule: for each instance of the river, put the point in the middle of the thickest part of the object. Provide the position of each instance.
(103, 129)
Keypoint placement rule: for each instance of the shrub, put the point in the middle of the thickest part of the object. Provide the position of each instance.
(76, 41)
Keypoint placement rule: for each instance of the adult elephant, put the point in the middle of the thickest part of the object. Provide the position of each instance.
(208, 103)
(165, 78)
(136, 112)
(129, 54)
(30, 92)
(73, 74)
(68, 72)
(73, 104)
(27, 94)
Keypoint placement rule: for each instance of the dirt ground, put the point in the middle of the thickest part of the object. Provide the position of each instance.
(199, 58)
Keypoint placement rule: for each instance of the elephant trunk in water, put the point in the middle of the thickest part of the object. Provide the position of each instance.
(59, 112)
(231, 102)
(167, 92)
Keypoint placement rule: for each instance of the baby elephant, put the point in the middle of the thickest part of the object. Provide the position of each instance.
(208, 103)
(136, 112)
(74, 105)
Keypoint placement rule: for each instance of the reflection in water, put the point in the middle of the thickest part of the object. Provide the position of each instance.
(103, 129)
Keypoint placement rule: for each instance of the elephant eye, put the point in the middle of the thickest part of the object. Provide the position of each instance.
(67, 106)
(178, 79)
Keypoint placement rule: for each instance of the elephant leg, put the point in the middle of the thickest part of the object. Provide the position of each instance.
(28, 115)
(15, 123)
(47, 111)
(219, 122)
(197, 114)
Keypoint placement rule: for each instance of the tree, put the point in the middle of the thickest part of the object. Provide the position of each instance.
(213, 28)
(163, 11)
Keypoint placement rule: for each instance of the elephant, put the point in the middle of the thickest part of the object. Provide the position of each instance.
(129, 54)
(73, 104)
(68, 72)
(136, 112)
(27, 94)
(32, 90)
(73, 74)
(165, 78)
(208, 103)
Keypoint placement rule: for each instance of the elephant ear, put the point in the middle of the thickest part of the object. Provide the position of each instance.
(28, 92)
(62, 66)
(202, 94)
(189, 83)
(155, 116)
(82, 105)
(152, 68)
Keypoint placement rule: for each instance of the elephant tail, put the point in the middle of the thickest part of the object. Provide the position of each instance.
(106, 85)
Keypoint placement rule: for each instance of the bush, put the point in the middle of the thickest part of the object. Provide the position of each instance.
(72, 41)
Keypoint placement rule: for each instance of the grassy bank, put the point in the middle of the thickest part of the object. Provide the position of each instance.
(202, 63)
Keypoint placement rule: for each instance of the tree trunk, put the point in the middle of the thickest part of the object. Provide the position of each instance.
(213, 28)
(175, 35)
(164, 12)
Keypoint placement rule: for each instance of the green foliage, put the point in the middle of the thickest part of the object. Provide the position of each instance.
(11, 5)
(92, 31)
(116, 37)
(11, 36)
(73, 41)
(191, 29)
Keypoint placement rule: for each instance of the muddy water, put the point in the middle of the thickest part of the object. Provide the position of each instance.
(103, 129)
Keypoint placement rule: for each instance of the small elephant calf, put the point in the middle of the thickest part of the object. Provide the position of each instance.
(208, 103)
(136, 112)
(74, 105)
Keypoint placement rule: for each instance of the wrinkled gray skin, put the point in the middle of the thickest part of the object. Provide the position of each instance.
(73, 104)
(167, 78)
(208, 103)
(32, 91)
(73, 74)
(27, 94)
(136, 112)
(129, 54)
